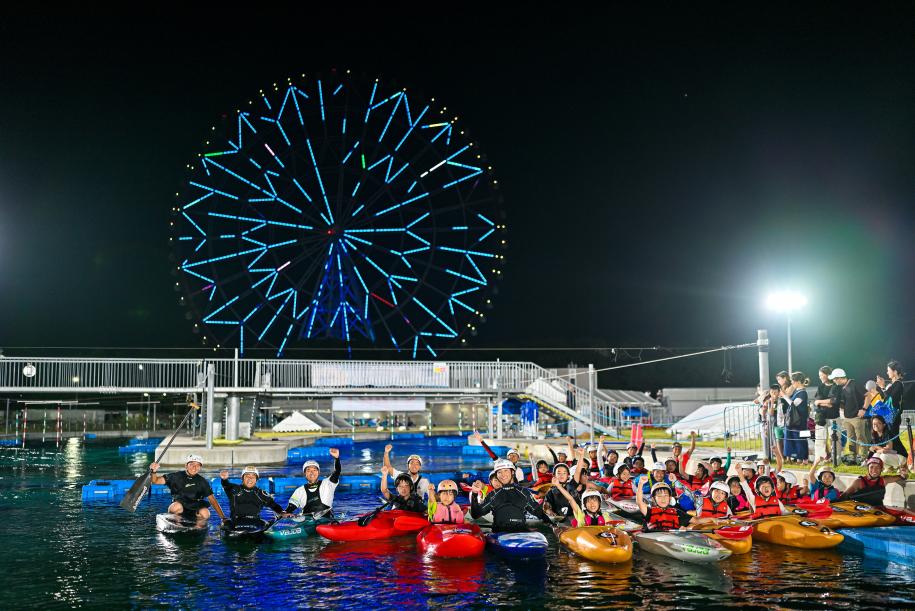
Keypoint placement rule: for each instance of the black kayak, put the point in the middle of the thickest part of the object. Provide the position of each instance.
(246, 528)
(180, 524)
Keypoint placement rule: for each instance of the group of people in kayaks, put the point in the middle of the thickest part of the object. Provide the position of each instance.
(574, 491)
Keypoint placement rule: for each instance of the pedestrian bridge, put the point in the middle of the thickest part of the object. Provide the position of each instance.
(486, 381)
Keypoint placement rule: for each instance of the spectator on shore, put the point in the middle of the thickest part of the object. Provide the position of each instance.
(886, 446)
(852, 409)
(826, 408)
(796, 413)
(783, 379)
(894, 394)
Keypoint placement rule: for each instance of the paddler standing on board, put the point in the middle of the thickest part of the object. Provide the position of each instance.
(191, 492)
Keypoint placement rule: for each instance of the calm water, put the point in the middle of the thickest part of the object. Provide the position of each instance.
(58, 552)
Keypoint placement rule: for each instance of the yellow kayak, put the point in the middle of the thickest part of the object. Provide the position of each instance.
(796, 531)
(598, 543)
(851, 514)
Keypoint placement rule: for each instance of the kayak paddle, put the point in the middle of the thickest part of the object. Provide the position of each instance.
(141, 485)
(364, 520)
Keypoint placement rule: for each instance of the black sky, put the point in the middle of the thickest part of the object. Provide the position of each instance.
(662, 171)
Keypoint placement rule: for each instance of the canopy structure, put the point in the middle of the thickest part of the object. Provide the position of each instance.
(295, 423)
(708, 421)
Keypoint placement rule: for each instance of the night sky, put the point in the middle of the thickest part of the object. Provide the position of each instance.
(661, 172)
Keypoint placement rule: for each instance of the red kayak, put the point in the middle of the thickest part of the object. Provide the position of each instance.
(451, 541)
(386, 524)
(904, 517)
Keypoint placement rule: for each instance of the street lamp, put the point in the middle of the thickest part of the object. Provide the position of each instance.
(786, 302)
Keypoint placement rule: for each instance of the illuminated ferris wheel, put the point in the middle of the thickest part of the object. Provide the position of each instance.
(339, 210)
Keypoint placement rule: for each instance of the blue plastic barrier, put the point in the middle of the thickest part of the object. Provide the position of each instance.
(137, 449)
(480, 451)
(285, 485)
(334, 442)
(9, 443)
(90, 436)
(891, 542)
(450, 442)
(408, 435)
(136, 441)
(105, 490)
(300, 455)
(360, 482)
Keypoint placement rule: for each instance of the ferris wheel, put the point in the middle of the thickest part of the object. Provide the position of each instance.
(341, 211)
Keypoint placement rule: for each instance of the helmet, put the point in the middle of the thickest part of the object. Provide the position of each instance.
(503, 463)
(589, 494)
(194, 458)
(789, 477)
(658, 466)
(763, 479)
(746, 465)
(671, 459)
(720, 486)
(714, 458)
(823, 470)
(873, 460)
(633, 446)
(250, 469)
(447, 485)
(660, 486)
(311, 463)
(513, 451)
(403, 477)
(492, 474)
(591, 448)
(760, 463)
(621, 466)
(561, 464)
(415, 457)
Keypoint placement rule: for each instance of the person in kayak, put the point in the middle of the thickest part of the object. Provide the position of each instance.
(719, 472)
(871, 488)
(445, 510)
(611, 461)
(544, 476)
(246, 500)
(658, 474)
(823, 480)
(406, 498)
(418, 483)
(316, 496)
(715, 505)
(510, 504)
(748, 471)
(739, 498)
(787, 489)
(620, 486)
(555, 503)
(765, 502)
(661, 515)
(515, 457)
(696, 481)
(638, 466)
(191, 492)
(589, 512)
(633, 451)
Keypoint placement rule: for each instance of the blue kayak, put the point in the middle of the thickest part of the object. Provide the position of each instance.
(890, 542)
(521, 546)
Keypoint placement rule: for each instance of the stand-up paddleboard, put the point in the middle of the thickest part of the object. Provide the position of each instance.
(519, 546)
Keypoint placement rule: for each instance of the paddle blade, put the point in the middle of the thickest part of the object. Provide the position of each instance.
(137, 492)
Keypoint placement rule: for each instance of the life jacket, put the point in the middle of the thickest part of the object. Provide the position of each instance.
(868, 483)
(719, 475)
(790, 495)
(740, 503)
(414, 484)
(766, 507)
(638, 470)
(825, 492)
(543, 478)
(313, 502)
(448, 514)
(662, 519)
(711, 510)
(692, 482)
(590, 520)
(620, 489)
(593, 470)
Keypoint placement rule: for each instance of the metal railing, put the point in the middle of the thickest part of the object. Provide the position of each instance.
(743, 427)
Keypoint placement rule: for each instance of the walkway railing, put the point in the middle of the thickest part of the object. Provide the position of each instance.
(743, 428)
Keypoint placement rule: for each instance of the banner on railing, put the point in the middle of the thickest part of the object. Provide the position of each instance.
(343, 404)
(379, 375)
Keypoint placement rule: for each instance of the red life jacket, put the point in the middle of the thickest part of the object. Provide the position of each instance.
(692, 482)
(662, 519)
(825, 492)
(719, 474)
(766, 507)
(868, 483)
(711, 510)
(638, 471)
(790, 495)
(543, 478)
(620, 489)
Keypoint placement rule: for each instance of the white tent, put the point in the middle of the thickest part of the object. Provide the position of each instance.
(708, 421)
(295, 423)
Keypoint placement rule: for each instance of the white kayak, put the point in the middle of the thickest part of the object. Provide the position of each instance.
(172, 524)
(486, 520)
(687, 546)
(628, 506)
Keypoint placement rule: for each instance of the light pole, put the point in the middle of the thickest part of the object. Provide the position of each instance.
(786, 302)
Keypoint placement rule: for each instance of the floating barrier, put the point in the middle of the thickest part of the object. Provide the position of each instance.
(285, 486)
(360, 482)
(300, 455)
(450, 442)
(481, 451)
(89, 435)
(138, 441)
(105, 490)
(9, 443)
(893, 542)
(138, 449)
(334, 442)
(408, 435)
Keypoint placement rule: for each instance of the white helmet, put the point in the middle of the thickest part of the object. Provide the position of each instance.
(513, 451)
(658, 466)
(194, 458)
(746, 465)
(660, 486)
(415, 457)
(760, 463)
(503, 463)
(721, 486)
(251, 469)
(588, 494)
(591, 448)
(789, 477)
(823, 470)
(311, 463)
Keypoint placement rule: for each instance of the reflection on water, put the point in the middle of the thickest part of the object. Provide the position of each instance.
(61, 552)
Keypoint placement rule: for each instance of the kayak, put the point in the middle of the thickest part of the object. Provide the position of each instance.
(387, 524)
(173, 524)
(893, 542)
(796, 531)
(598, 543)
(246, 528)
(451, 541)
(682, 545)
(853, 514)
(486, 520)
(296, 527)
(737, 546)
(520, 546)
(904, 517)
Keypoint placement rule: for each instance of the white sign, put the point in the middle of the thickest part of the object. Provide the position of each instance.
(344, 404)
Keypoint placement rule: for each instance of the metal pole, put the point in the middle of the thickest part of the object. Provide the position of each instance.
(235, 370)
(762, 347)
(211, 380)
(6, 425)
(591, 397)
(499, 415)
(790, 367)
